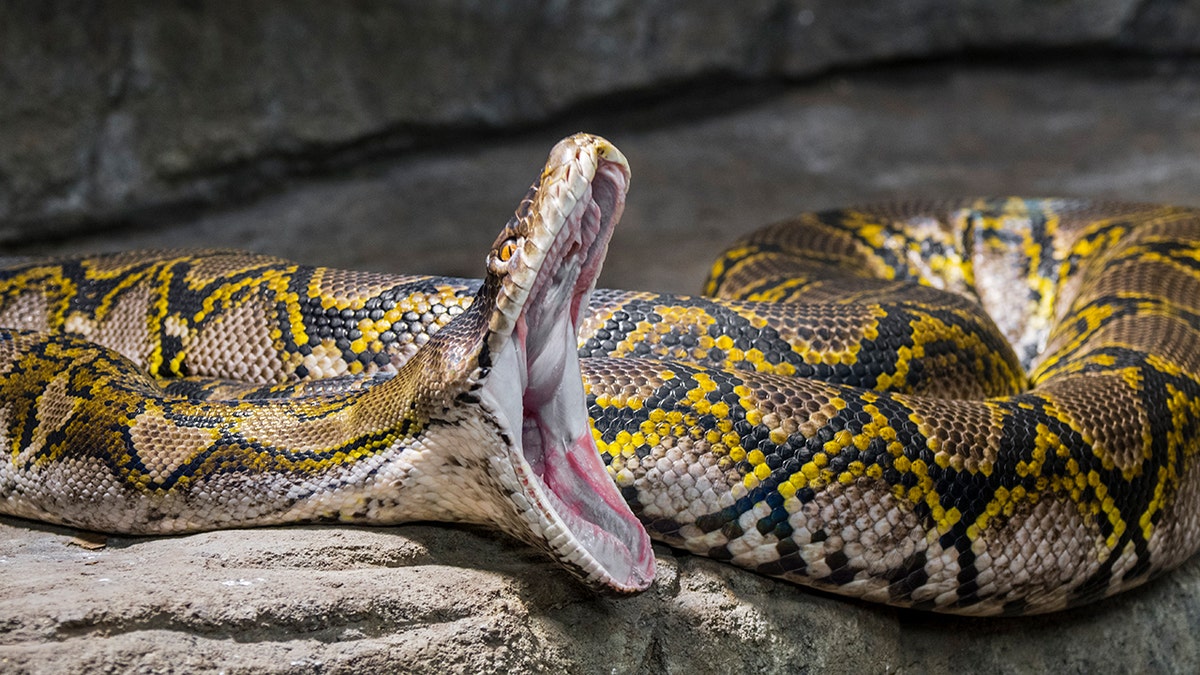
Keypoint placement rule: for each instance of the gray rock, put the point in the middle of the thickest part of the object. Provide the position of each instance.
(1164, 27)
(437, 599)
(114, 112)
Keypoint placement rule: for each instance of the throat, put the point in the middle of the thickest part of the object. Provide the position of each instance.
(554, 390)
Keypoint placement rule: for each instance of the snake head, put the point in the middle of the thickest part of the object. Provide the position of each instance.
(540, 273)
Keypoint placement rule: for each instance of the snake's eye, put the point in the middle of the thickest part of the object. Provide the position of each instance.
(507, 250)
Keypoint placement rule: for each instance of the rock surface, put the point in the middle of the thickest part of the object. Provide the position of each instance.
(115, 112)
(430, 598)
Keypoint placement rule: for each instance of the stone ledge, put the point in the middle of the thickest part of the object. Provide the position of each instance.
(379, 600)
(108, 112)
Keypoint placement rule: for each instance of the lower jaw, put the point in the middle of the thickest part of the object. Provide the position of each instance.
(574, 509)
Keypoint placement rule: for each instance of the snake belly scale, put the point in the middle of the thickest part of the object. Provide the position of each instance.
(987, 406)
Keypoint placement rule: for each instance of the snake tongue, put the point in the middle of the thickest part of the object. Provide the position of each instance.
(567, 502)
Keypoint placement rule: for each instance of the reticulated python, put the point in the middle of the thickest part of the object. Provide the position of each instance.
(841, 412)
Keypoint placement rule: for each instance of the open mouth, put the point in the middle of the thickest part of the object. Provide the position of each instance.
(535, 389)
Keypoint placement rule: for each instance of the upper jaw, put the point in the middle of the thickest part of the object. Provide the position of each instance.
(565, 499)
(582, 172)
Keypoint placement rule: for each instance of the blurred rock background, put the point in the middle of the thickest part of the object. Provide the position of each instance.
(373, 132)
(398, 136)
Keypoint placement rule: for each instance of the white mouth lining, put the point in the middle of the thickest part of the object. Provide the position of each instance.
(568, 497)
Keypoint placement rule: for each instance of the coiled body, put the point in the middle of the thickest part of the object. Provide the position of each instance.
(844, 415)
(1030, 498)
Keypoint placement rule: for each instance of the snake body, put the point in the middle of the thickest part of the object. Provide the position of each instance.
(985, 407)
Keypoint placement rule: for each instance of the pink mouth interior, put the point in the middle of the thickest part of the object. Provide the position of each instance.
(556, 436)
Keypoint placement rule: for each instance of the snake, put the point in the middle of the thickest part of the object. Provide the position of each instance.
(984, 406)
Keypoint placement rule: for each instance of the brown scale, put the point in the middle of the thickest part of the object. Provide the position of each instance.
(207, 267)
(350, 286)
(968, 435)
(1108, 406)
